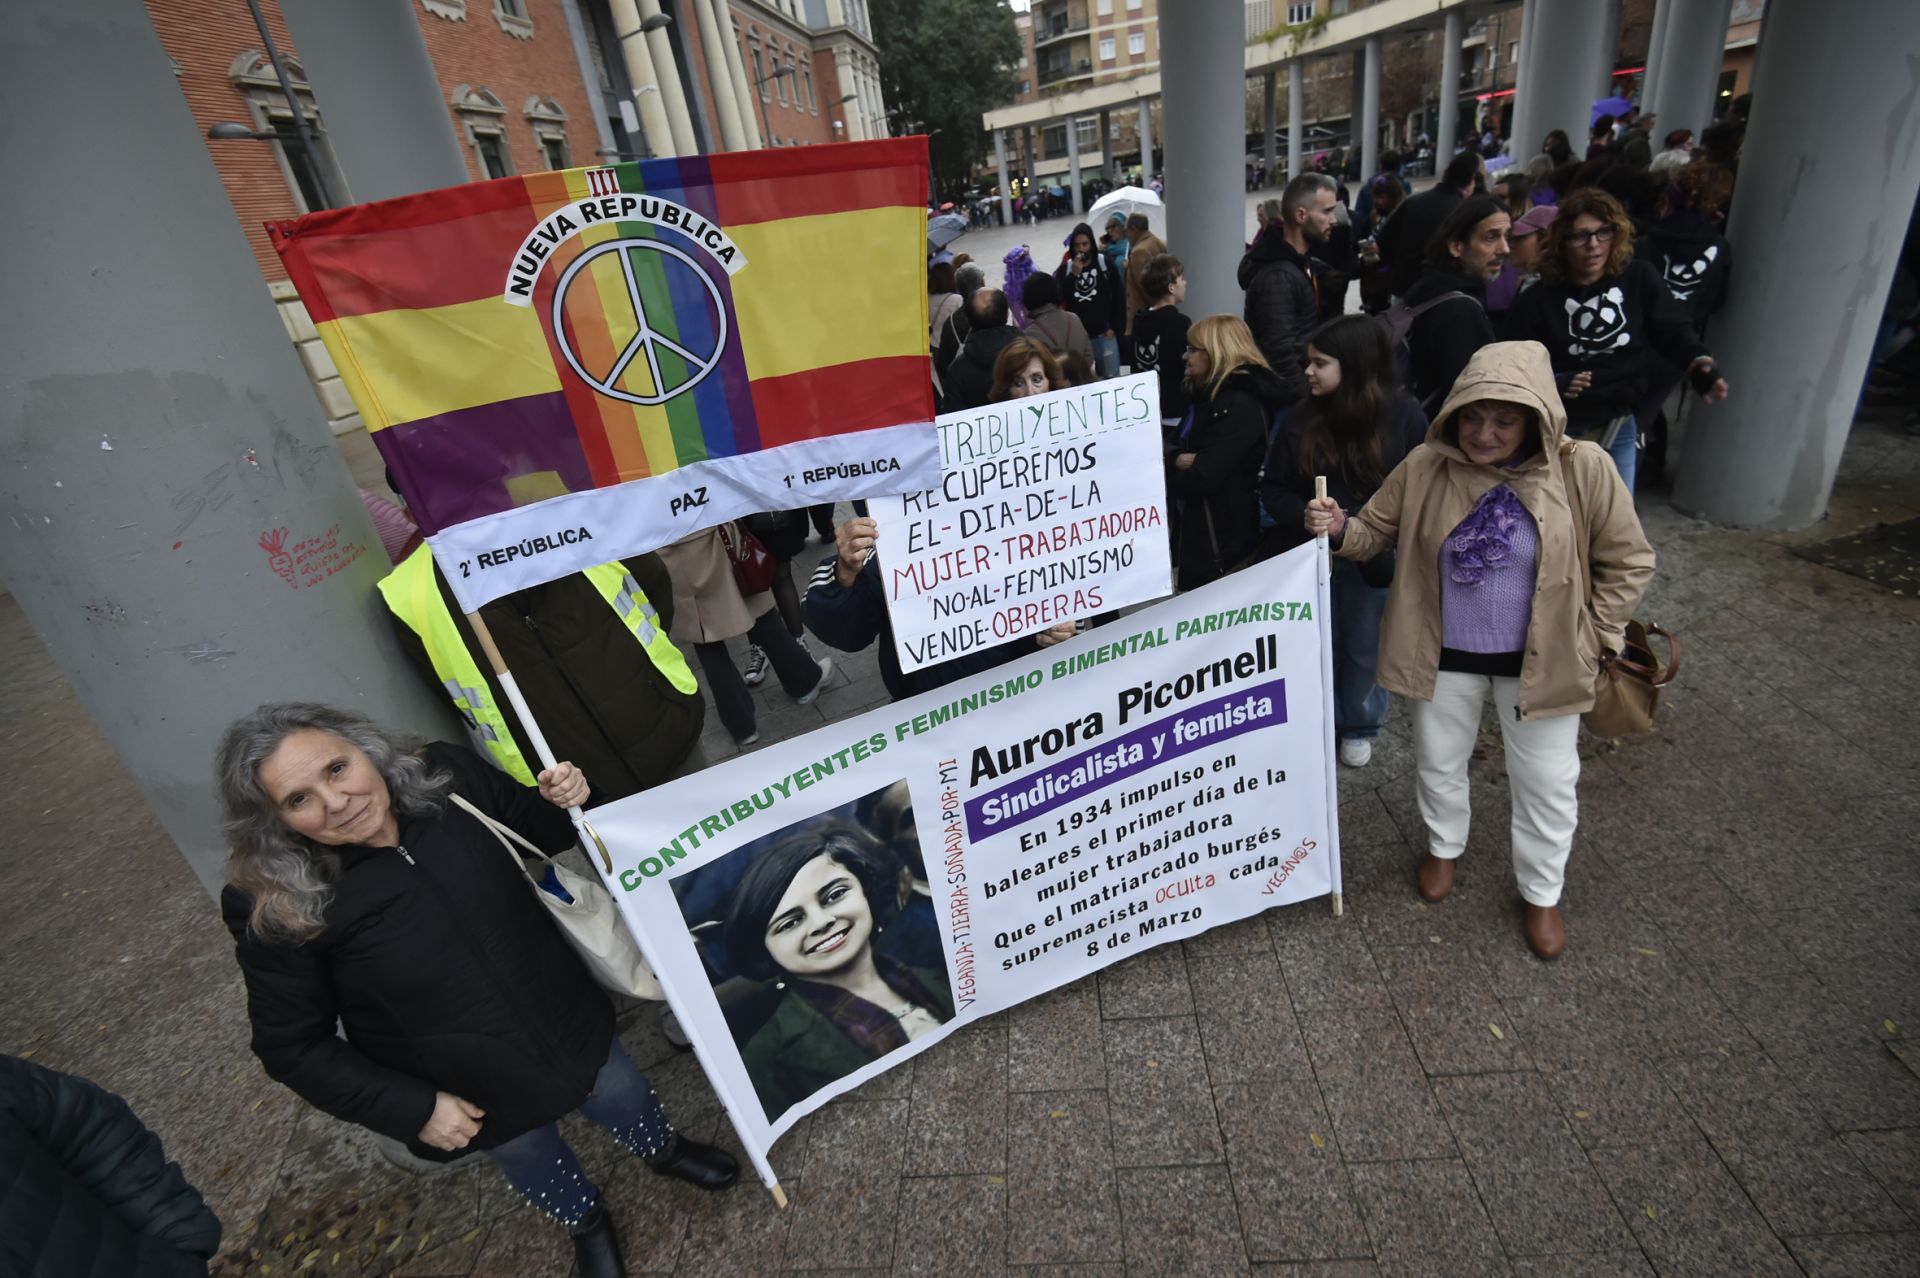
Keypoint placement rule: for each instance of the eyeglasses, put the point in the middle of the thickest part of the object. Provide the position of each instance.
(1599, 235)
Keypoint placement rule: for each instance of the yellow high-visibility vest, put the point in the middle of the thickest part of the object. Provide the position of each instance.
(414, 596)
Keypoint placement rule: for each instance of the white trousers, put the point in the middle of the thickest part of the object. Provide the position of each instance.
(1543, 774)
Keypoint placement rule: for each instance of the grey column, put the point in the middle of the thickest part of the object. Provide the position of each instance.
(1146, 141)
(1370, 112)
(1106, 144)
(1794, 342)
(648, 100)
(1560, 75)
(156, 424)
(1694, 52)
(743, 87)
(1650, 78)
(1445, 128)
(1270, 120)
(726, 104)
(1524, 136)
(1200, 72)
(1073, 165)
(1006, 185)
(583, 59)
(1031, 160)
(1296, 117)
(1609, 50)
(1356, 95)
(378, 96)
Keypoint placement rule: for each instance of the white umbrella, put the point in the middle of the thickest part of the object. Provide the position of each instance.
(1125, 201)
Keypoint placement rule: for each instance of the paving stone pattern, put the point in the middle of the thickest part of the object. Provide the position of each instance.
(1717, 1078)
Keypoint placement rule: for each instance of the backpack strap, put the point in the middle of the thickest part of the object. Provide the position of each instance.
(1415, 312)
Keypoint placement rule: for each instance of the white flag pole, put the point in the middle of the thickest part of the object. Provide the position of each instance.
(1324, 583)
(590, 838)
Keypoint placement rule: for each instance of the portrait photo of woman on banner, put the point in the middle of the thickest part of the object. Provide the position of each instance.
(822, 947)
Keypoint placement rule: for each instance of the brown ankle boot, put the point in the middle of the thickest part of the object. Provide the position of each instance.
(1434, 879)
(1546, 931)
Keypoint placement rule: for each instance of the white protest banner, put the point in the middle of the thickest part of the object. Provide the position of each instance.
(823, 909)
(1051, 508)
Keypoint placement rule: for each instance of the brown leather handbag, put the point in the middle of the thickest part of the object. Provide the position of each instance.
(1627, 694)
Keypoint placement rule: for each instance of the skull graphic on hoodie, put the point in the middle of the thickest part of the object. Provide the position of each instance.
(1598, 325)
(1683, 277)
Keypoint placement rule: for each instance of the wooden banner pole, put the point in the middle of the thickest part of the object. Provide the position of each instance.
(1333, 796)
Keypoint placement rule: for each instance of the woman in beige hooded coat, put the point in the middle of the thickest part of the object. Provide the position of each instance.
(1520, 562)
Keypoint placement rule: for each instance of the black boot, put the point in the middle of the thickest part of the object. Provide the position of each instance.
(697, 1164)
(596, 1248)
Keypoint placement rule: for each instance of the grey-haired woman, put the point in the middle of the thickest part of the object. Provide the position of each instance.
(359, 898)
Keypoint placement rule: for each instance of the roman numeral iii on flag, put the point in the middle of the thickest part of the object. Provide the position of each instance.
(563, 368)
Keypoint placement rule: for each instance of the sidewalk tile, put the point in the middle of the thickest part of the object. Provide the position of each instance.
(951, 1225)
(1292, 1189)
(1456, 1024)
(1426, 1219)
(1180, 1220)
(1688, 1212)
(1381, 1105)
(1162, 1111)
(1061, 1204)
(1053, 1042)
(1893, 1158)
(1620, 1104)
(1153, 983)
(1858, 1255)
(1247, 1023)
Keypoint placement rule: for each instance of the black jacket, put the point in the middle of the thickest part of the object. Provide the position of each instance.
(1160, 343)
(851, 617)
(1282, 308)
(1096, 294)
(969, 379)
(598, 697)
(1402, 238)
(1285, 492)
(1619, 328)
(1219, 510)
(443, 970)
(1442, 340)
(86, 1191)
(1691, 256)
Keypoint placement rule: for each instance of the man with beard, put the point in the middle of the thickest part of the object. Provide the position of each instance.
(1282, 303)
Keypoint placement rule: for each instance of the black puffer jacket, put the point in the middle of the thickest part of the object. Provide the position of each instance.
(969, 379)
(1282, 308)
(445, 973)
(1219, 509)
(1444, 336)
(86, 1191)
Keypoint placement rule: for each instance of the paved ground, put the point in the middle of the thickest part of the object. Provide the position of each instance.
(1718, 1078)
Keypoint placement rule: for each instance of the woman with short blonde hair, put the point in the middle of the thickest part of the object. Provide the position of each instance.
(1213, 462)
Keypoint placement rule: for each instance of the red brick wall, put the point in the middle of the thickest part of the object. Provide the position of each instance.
(204, 37)
(791, 119)
(826, 84)
(478, 53)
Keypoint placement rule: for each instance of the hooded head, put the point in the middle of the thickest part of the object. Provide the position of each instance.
(1517, 373)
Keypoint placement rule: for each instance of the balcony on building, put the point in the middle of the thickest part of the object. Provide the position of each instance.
(1058, 21)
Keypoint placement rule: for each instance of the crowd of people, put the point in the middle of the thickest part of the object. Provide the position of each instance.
(1478, 422)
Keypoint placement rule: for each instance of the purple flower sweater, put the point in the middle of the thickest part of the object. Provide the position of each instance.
(1487, 570)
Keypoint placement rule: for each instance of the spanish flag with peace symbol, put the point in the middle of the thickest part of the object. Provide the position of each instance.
(561, 368)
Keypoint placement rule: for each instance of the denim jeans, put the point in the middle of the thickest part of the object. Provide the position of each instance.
(1106, 355)
(797, 671)
(541, 1166)
(1359, 704)
(1625, 450)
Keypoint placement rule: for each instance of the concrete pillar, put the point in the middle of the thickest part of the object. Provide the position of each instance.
(1296, 118)
(156, 424)
(1650, 77)
(1146, 142)
(743, 86)
(1447, 126)
(727, 105)
(1525, 135)
(1609, 50)
(647, 98)
(1692, 56)
(387, 123)
(1073, 166)
(1030, 160)
(1203, 160)
(1356, 97)
(1370, 111)
(1767, 456)
(1560, 75)
(1006, 184)
(673, 96)
(1270, 119)
(1106, 145)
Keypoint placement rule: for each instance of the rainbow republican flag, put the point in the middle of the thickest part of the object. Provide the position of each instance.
(566, 367)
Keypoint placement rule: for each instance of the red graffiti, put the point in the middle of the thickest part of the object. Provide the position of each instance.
(312, 561)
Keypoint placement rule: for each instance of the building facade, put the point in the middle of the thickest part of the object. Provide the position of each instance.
(528, 85)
